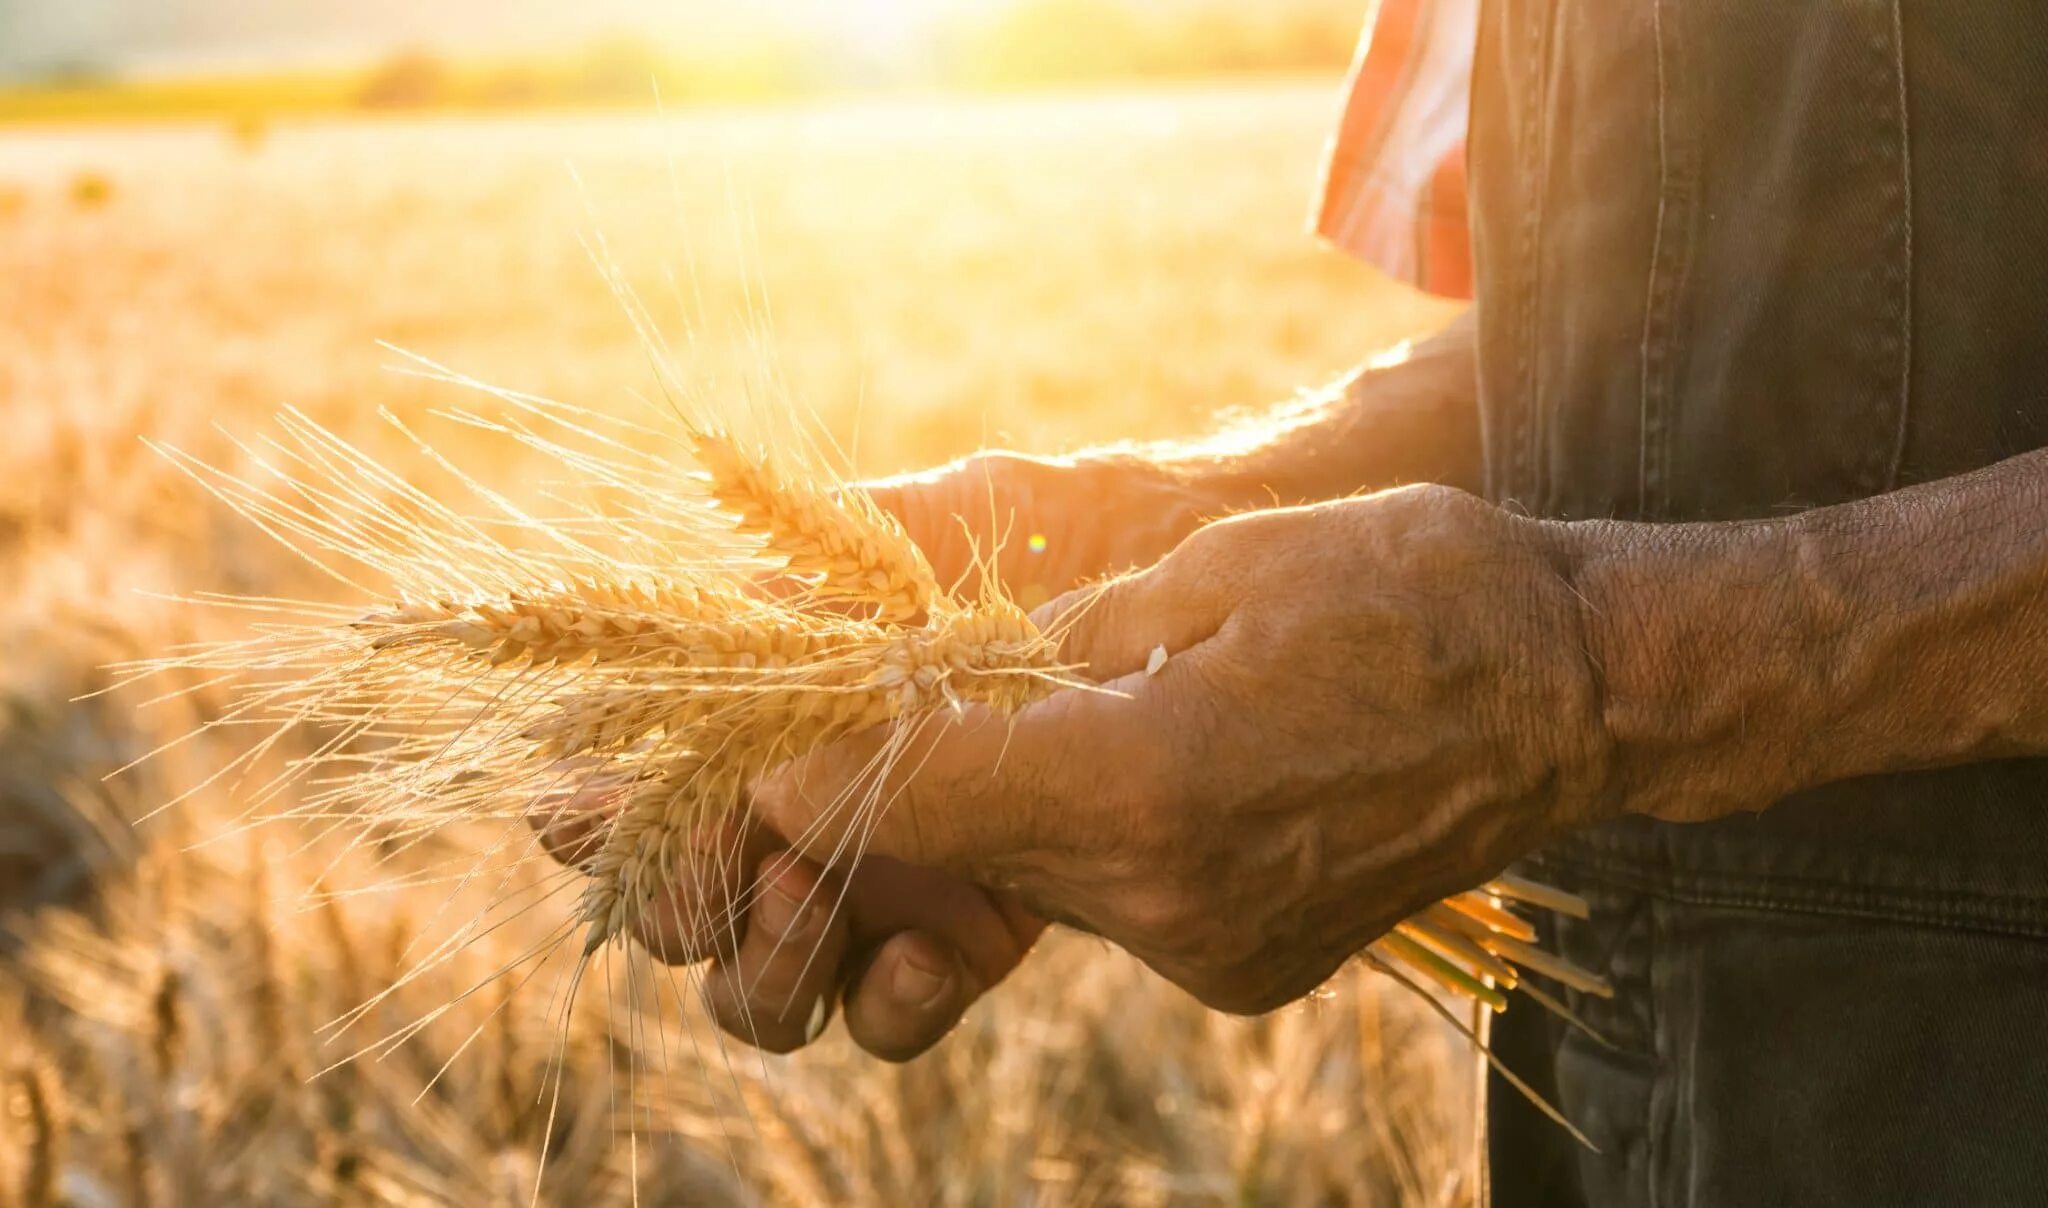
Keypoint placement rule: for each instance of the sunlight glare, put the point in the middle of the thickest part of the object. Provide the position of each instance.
(879, 29)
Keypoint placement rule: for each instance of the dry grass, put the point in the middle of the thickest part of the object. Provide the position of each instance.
(1040, 273)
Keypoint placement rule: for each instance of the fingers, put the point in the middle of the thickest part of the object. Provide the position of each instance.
(947, 943)
(942, 793)
(777, 990)
(977, 508)
(909, 996)
(992, 931)
(571, 837)
(700, 912)
(569, 818)
(908, 950)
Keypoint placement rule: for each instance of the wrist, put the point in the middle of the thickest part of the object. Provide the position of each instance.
(1706, 660)
(1405, 418)
(1174, 493)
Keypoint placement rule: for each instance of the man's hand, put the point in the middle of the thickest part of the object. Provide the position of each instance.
(1368, 705)
(1371, 704)
(905, 948)
(1048, 523)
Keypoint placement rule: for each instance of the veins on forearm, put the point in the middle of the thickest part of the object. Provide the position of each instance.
(1940, 594)
(1745, 661)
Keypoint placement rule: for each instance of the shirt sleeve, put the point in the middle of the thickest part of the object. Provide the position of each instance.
(1393, 184)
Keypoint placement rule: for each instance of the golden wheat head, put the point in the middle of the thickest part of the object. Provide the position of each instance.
(632, 645)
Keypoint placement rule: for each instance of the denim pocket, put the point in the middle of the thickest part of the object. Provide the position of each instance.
(1756, 1056)
(1777, 331)
(1817, 1059)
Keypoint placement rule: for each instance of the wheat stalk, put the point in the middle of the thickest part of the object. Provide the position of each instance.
(651, 641)
(848, 548)
(638, 652)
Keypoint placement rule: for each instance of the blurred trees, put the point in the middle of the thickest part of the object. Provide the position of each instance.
(1022, 43)
(998, 45)
(410, 80)
(1052, 41)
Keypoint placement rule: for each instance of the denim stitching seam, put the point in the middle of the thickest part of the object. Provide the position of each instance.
(1898, 451)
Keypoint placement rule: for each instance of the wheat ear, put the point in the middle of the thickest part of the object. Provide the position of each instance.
(620, 658)
(847, 548)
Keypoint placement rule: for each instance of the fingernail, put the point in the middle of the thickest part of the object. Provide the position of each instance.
(917, 984)
(779, 911)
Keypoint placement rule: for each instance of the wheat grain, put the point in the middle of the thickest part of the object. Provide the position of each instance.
(850, 550)
(624, 669)
(992, 657)
(623, 661)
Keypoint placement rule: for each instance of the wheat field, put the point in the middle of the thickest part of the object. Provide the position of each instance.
(933, 276)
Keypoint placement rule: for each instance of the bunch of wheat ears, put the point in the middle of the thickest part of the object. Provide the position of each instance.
(636, 643)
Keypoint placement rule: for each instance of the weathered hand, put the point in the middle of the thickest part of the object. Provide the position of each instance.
(1369, 705)
(1052, 523)
(906, 948)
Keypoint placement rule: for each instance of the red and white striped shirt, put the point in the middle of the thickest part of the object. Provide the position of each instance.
(1393, 186)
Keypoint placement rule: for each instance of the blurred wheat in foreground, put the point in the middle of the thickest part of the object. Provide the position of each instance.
(167, 991)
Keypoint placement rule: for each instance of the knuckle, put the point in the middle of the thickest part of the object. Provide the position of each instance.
(971, 480)
(1237, 553)
(1213, 545)
(1432, 509)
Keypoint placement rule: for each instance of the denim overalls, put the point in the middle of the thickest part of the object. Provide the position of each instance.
(1737, 258)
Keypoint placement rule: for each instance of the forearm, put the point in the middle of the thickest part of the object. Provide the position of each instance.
(1744, 662)
(1415, 419)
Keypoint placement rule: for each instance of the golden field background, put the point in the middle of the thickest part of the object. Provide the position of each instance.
(1039, 273)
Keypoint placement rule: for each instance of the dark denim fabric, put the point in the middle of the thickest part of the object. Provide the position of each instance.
(1735, 258)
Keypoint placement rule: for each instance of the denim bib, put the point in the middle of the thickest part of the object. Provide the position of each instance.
(1736, 259)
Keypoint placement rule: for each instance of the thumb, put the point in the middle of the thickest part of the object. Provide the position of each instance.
(1112, 629)
(957, 792)
(935, 791)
